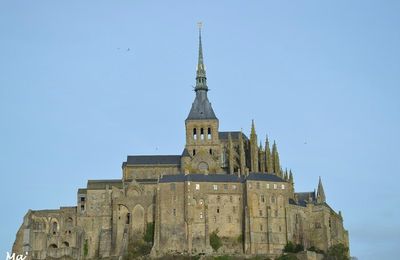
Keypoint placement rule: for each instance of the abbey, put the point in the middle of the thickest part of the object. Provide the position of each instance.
(224, 185)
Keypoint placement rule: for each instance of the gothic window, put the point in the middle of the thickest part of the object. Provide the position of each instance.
(65, 244)
(209, 133)
(194, 134)
(215, 187)
(54, 228)
(202, 133)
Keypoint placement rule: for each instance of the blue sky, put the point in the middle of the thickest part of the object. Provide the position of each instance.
(74, 102)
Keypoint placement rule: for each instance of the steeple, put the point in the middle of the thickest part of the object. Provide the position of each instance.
(320, 192)
(201, 107)
(201, 79)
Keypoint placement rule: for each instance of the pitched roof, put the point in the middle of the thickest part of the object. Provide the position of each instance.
(264, 177)
(153, 159)
(234, 135)
(201, 107)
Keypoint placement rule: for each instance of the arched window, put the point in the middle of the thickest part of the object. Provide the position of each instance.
(53, 246)
(202, 133)
(209, 133)
(128, 218)
(194, 134)
(65, 244)
(54, 227)
(194, 152)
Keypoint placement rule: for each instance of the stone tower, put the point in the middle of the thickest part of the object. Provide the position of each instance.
(202, 149)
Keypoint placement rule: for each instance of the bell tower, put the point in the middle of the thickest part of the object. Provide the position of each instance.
(202, 149)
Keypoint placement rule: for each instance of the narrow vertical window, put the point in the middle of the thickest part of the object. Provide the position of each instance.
(128, 218)
(209, 133)
(194, 134)
(215, 187)
(210, 151)
(202, 133)
(194, 152)
(261, 227)
(197, 186)
(174, 212)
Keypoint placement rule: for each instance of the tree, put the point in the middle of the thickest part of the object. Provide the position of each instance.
(215, 240)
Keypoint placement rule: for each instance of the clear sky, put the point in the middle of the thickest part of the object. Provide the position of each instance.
(85, 83)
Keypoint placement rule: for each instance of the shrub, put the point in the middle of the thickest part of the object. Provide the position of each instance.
(287, 257)
(292, 248)
(316, 250)
(149, 235)
(215, 240)
(338, 252)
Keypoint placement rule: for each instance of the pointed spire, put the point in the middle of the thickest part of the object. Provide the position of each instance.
(320, 192)
(201, 79)
(231, 154)
(268, 157)
(275, 159)
(242, 154)
(253, 148)
(286, 175)
(290, 176)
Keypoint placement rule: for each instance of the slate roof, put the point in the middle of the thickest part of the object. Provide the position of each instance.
(264, 177)
(201, 178)
(234, 135)
(201, 107)
(153, 159)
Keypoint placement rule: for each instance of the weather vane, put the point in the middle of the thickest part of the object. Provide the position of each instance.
(199, 24)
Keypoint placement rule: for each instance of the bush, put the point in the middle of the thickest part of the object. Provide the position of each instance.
(316, 250)
(338, 252)
(149, 235)
(292, 248)
(287, 257)
(137, 248)
(215, 240)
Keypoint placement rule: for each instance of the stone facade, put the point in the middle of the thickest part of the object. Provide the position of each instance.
(223, 183)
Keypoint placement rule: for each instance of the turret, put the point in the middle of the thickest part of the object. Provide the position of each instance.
(253, 149)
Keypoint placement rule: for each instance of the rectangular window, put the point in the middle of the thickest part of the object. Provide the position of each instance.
(197, 186)
(267, 185)
(209, 133)
(215, 187)
(82, 199)
(283, 186)
(275, 186)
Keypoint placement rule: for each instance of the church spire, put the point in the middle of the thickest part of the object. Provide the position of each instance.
(201, 79)
(320, 192)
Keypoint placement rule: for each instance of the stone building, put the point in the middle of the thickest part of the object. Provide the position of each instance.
(222, 183)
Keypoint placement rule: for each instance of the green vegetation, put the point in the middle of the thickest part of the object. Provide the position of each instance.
(149, 235)
(142, 246)
(292, 248)
(338, 252)
(223, 257)
(287, 257)
(215, 240)
(316, 250)
(85, 248)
